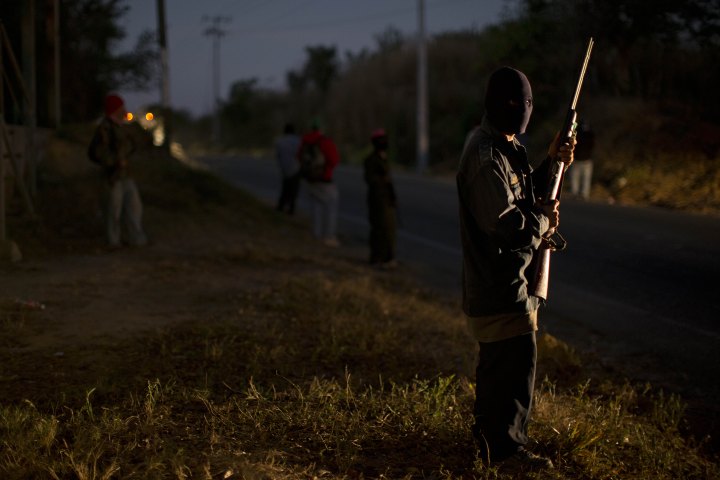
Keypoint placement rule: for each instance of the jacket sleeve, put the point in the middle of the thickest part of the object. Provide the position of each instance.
(492, 203)
(540, 177)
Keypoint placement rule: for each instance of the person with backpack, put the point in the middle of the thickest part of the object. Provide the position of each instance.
(111, 148)
(318, 157)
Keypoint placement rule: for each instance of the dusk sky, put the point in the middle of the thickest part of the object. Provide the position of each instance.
(266, 38)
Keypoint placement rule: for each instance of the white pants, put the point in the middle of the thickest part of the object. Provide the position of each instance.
(581, 178)
(124, 206)
(324, 198)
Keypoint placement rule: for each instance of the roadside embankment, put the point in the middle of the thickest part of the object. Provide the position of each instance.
(234, 346)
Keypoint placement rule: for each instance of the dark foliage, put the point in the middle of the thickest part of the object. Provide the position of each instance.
(662, 54)
(90, 67)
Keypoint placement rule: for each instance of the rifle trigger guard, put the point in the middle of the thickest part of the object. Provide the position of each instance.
(556, 242)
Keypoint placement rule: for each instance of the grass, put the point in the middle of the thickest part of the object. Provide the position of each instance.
(322, 376)
(324, 370)
(654, 154)
(677, 182)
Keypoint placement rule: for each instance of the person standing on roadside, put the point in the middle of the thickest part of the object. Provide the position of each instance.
(111, 147)
(502, 224)
(581, 173)
(286, 147)
(318, 157)
(381, 202)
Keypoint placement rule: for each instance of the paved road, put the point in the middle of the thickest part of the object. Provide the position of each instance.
(639, 285)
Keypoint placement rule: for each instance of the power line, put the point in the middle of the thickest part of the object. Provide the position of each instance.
(299, 6)
(251, 8)
(274, 28)
(330, 23)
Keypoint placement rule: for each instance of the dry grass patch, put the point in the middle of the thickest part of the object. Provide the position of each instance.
(321, 376)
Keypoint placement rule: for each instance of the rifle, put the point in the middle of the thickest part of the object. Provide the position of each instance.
(541, 273)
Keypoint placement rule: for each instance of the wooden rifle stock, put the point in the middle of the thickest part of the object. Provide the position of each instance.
(540, 268)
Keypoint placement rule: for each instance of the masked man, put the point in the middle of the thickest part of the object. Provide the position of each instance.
(502, 222)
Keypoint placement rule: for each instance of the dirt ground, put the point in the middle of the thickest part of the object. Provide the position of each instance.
(205, 240)
(86, 296)
(96, 295)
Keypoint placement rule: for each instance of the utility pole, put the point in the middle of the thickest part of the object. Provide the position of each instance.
(52, 51)
(3, 232)
(216, 33)
(58, 66)
(28, 167)
(164, 74)
(423, 142)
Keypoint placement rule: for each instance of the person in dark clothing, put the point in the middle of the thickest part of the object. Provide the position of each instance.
(286, 148)
(111, 147)
(581, 173)
(381, 202)
(502, 223)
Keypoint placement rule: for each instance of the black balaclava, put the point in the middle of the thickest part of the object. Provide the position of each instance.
(508, 100)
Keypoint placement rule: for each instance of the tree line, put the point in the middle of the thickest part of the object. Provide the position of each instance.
(662, 55)
(90, 65)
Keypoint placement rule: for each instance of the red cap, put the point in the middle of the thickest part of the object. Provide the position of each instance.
(378, 133)
(112, 104)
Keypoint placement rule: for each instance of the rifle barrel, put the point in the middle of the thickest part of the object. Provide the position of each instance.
(582, 74)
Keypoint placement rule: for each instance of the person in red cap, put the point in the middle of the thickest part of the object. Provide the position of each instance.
(111, 148)
(381, 202)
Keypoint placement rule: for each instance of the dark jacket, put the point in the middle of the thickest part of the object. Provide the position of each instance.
(500, 226)
(377, 176)
(110, 147)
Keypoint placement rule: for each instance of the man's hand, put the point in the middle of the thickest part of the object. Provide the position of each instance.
(563, 151)
(552, 211)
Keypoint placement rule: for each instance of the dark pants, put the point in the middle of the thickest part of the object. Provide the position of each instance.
(381, 215)
(505, 378)
(289, 193)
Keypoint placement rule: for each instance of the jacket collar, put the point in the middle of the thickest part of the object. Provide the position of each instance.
(489, 129)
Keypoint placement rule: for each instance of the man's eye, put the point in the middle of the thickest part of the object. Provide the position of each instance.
(516, 103)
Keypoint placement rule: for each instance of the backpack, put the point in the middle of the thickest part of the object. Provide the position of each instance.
(312, 162)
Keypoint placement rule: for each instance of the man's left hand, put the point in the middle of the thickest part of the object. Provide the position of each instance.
(563, 151)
